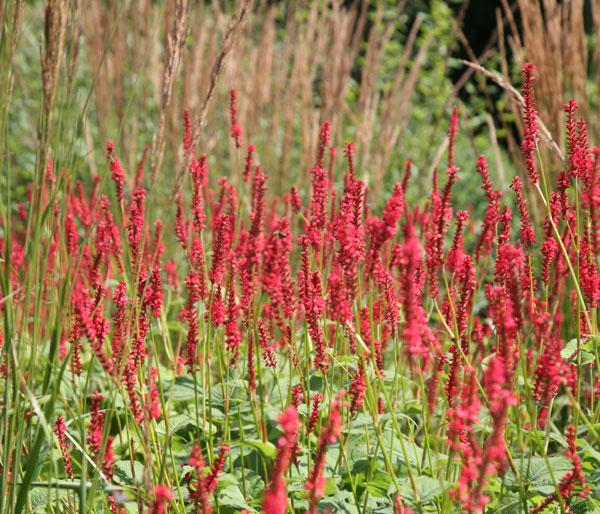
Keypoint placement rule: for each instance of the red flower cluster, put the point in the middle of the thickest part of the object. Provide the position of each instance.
(344, 291)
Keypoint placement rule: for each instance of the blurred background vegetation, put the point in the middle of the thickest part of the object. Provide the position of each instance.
(386, 73)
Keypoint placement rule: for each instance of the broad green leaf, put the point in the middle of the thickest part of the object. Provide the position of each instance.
(183, 390)
(267, 449)
(124, 473)
(427, 487)
(231, 496)
(537, 473)
(379, 484)
(343, 502)
(176, 423)
(569, 350)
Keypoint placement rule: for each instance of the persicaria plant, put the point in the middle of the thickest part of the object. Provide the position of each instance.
(319, 350)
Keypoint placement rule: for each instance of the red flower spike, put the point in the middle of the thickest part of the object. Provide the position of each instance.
(249, 161)
(330, 431)
(60, 430)
(527, 232)
(275, 499)
(116, 170)
(530, 125)
(236, 129)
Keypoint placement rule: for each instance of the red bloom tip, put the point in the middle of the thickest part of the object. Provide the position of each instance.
(528, 69)
(571, 106)
(452, 131)
(162, 495)
(163, 492)
(324, 140)
(349, 149)
(326, 133)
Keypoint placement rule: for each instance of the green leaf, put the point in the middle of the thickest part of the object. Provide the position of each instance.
(41, 498)
(427, 487)
(124, 473)
(378, 485)
(537, 473)
(183, 390)
(586, 346)
(231, 496)
(510, 503)
(343, 501)
(569, 350)
(590, 452)
(176, 423)
(268, 450)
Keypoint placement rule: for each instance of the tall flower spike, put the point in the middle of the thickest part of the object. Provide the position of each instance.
(187, 134)
(205, 485)
(109, 459)
(318, 204)
(276, 269)
(406, 178)
(236, 129)
(530, 125)
(139, 172)
(200, 495)
(297, 395)
(488, 230)
(198, 170)
(315, 484)
(192, 284)
(527, 232)
(157, 242)
(357, 389)
(572, 142)
(153, 401)
(96, 428)
(135, 227)
(348, 231)
(221, 246)
(154, 293)
(249, 162)
(314, 413)
(275, 499)
(213, 477)
(180, 223)
(350, 152)
(120, 323)
(116, 170)
(452, 131)
(456, 252)
(233, 336)
(60, 429)
(324, 140)
(266, 346)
